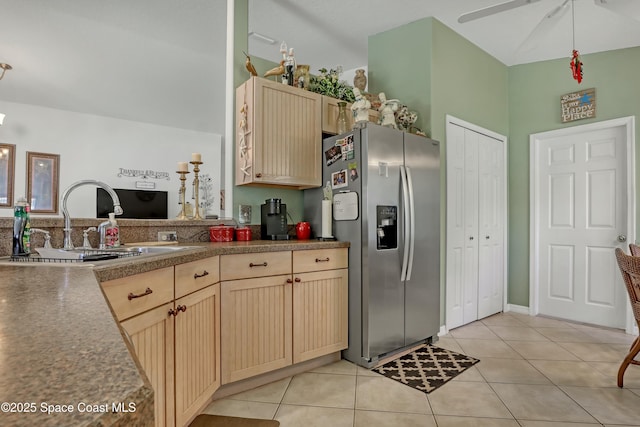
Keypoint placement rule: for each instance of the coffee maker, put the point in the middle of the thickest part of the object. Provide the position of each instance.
(273, 225)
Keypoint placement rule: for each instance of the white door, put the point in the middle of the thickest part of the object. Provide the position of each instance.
(491, 223)
(475, 223)
(580, 213)
(455, 269)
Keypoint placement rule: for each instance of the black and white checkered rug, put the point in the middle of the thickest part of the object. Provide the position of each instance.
(426, 368)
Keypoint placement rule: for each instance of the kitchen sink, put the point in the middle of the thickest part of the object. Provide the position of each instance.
(153, 249)
(78, 256)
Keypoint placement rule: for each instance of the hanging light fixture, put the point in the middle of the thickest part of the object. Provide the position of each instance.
(4, 67)
(576, 63)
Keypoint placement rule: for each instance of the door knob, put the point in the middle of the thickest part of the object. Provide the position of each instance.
(622, 238)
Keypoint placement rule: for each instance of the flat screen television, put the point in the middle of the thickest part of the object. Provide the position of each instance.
(138, 204)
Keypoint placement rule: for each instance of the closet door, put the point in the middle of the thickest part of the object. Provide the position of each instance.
(491, 223)
(475, 225)
(471, 199)
(462, 223)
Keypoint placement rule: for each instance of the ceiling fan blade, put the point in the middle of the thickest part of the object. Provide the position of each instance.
(548, 22)
(621, 7)
(486, 11)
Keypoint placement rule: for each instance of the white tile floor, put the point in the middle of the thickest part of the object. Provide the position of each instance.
(534, 372)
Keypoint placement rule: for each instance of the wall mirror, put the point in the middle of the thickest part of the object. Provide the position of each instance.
(7, 171)
(42, 182)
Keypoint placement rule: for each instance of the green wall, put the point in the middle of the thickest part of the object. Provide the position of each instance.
(426, 66)
(399, 64)
(534, 94)
(255, 196)
(467, 83)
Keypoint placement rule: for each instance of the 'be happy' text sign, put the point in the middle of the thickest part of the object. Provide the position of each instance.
(578, 105)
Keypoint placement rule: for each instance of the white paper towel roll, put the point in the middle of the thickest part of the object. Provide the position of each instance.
(326, 218)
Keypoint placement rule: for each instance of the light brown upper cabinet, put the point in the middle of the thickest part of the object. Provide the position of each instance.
(330, 115)
(278, 135)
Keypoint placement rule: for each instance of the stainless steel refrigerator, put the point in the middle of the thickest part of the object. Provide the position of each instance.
(386, 202)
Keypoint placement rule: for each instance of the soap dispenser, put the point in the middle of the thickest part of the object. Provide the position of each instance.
(20, 228)
(112, 233)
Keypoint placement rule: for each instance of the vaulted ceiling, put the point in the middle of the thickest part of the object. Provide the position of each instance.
(162, 61)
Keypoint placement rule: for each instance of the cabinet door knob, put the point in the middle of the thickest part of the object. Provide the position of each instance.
(172, 312)
(297, 279)
(487, 237)
(181, 308)
(470, 237)
(289, 281)
(258, 175)
(146, 292)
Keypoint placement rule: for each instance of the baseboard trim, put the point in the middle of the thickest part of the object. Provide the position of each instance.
(443, 331)
(521, 309)
(269, 377)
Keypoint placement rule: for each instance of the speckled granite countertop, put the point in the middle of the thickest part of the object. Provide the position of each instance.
(60, 345)
(109, 270)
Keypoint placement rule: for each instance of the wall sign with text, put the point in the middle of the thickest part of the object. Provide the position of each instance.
(578, 105)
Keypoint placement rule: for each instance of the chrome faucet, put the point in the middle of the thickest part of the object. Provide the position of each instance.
(65, 213)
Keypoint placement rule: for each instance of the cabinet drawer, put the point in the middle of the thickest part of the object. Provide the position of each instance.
(135, 294)
(254, 265)
(195, 275)
(320, 259)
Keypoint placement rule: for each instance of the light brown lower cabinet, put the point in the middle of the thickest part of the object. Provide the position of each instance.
(202, 324)
(272, 321)
(320, 310)
(152, 337)
(177, 343)
(197, 351)
(185, 379)
(256, 326)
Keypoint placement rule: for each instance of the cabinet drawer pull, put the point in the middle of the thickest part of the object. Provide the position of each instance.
(197, 276)
(264, 264)
(147, 291)
(322, 259)
(297, 279)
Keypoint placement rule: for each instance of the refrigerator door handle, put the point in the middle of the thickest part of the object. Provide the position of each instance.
(412, 227)
(405, 208)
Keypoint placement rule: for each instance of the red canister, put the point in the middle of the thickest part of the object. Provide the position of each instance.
(303, 230)
(221, 233)
(243, 234)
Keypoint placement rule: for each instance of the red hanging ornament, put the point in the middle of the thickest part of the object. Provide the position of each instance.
(576, 66)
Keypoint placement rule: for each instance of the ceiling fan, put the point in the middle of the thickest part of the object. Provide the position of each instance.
(549, 20)
(612, 5)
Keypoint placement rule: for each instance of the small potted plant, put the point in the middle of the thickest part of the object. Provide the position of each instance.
(328, 83)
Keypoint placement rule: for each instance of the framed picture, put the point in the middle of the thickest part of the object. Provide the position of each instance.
(7, 171)
(43, 172)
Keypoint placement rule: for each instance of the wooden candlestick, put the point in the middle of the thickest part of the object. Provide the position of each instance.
(196, 189)
(183, 189)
